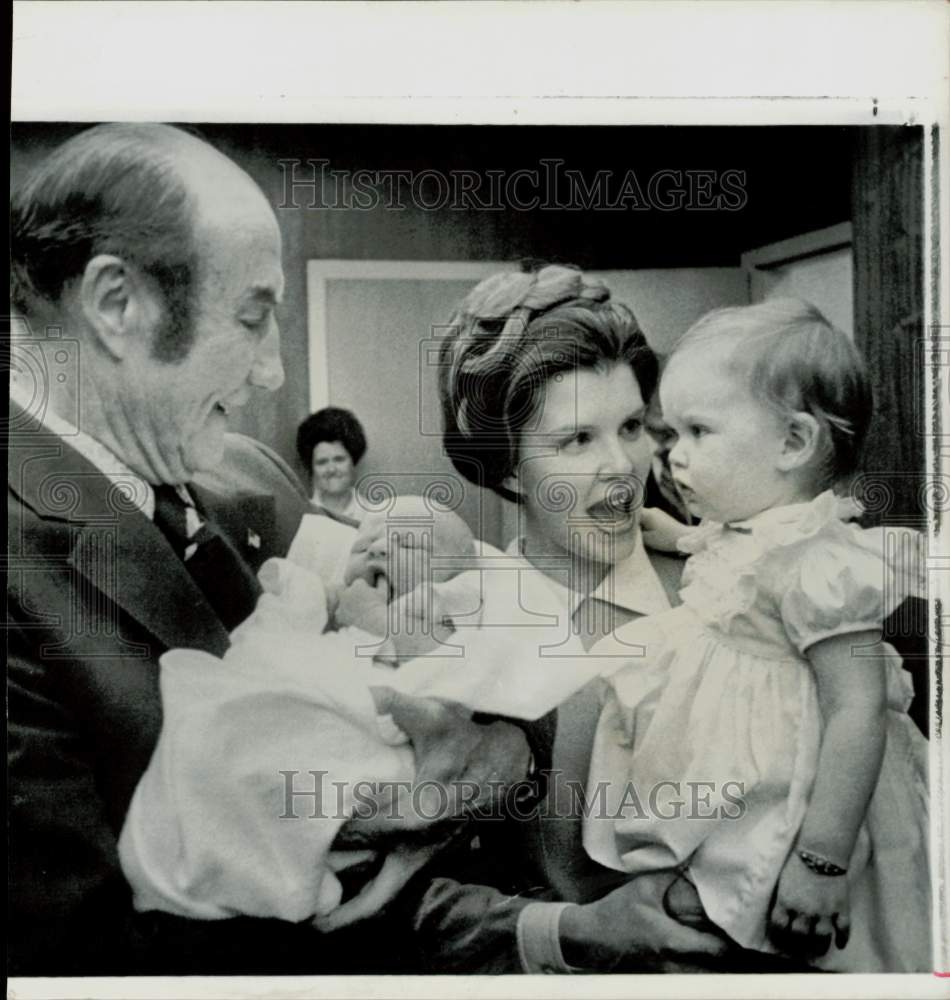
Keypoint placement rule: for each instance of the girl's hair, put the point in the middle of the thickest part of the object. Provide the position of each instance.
(331, 424)
(512, 333)
(794, 360)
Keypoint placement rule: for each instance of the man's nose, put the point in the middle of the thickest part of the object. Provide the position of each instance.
(267, 371)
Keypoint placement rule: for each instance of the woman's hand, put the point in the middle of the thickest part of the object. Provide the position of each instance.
(629, 927)
(661, 531)
(809, 910)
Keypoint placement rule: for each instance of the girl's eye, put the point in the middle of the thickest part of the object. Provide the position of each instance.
(698, 430)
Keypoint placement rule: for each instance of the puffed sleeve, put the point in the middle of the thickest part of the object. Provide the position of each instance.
(849, 579)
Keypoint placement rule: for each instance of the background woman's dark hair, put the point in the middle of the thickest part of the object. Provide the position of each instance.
(113, 189)
(331, 424)
(510, 335)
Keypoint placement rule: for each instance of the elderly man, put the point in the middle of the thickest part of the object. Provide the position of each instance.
(147, 267)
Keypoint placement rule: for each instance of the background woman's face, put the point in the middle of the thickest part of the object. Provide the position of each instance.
(332, 468)
(584, 461)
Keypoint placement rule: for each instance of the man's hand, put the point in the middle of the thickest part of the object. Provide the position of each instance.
(460, 767)
(628, 927)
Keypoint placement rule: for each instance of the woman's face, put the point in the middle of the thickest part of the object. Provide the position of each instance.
(583, 462)
(332, 468)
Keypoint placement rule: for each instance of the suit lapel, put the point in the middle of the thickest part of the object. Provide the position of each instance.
(114, 547)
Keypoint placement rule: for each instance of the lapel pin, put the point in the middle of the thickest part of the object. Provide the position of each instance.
(253, 539)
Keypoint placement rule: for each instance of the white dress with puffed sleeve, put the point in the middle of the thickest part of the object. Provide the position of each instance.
(707, 747)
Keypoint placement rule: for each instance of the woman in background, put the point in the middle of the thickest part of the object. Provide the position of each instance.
(331, 443)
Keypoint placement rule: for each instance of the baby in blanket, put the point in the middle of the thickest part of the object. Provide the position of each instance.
(266, 753)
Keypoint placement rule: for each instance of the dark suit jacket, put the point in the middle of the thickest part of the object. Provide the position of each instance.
(95, 595)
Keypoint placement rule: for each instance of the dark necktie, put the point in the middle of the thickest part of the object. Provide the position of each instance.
(227, 582)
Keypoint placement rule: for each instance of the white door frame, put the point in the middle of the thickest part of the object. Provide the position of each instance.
(319, 272)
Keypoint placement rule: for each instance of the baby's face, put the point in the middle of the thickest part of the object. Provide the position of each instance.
(728, 443)
(398, 556)
(401, 551)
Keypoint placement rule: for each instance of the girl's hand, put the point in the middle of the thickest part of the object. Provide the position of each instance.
(660, 530)
(809, 910)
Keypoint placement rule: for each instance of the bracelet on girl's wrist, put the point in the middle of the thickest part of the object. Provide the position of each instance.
(820, 865)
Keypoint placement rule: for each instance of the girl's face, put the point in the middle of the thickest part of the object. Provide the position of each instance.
(584, 460)
(332, 468)
(725, 461)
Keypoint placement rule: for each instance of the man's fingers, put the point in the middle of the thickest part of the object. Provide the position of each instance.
(383, 698)
(683, 940)
(424, 717)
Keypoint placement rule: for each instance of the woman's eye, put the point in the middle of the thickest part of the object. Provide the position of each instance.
(632, 428)
(698, 430)
(578, 440)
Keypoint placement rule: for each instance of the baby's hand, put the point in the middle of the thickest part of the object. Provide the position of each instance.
(660, 530)
(809, 910)
(419, 623)
(364, 607)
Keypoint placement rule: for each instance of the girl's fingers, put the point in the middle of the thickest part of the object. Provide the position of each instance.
(779, 924)
(802, 925)
(822, 935)
(842, 926)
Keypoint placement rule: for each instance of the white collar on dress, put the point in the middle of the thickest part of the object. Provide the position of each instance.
(631, 584)
(112, 467)
(824, 507)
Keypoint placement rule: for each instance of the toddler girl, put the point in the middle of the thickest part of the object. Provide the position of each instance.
(763, 744)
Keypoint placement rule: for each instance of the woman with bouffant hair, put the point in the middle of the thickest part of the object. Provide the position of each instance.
(544, 382)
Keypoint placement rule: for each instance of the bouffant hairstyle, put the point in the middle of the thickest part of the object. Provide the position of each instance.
(794, 361)
(112, 189)
(511, 334)
(331, 424)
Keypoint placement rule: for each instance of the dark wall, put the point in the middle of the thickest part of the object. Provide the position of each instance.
(794, 180)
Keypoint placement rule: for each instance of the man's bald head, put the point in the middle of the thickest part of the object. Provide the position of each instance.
(142, 192)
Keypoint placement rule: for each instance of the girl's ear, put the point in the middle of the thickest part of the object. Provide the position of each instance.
(802, 440)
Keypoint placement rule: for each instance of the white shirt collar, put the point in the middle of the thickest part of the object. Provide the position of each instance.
(631, 584)
(113, 468)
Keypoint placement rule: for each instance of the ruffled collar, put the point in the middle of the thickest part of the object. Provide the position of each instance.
(779, 526)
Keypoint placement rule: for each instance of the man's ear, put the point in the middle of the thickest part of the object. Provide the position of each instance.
(802, 440)
(115, 303)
